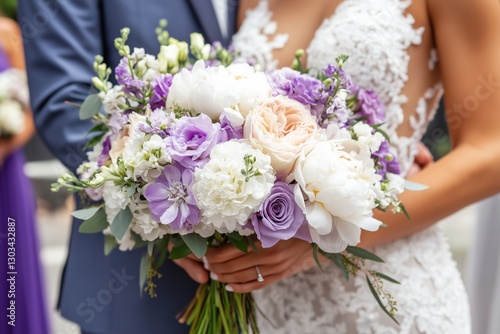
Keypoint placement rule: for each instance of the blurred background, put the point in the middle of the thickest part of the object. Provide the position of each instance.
(54, 209)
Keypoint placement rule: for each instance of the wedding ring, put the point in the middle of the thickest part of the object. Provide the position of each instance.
(260, 278)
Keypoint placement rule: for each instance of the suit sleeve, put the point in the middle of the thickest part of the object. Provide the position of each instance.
(61, 39)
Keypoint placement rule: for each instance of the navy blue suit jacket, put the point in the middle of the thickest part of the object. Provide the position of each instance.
(61, 38)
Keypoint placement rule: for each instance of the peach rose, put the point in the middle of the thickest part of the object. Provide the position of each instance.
(280, 127)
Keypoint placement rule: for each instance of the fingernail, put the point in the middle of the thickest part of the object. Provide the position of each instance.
(205, 263)
(214, 277)
(229, 288)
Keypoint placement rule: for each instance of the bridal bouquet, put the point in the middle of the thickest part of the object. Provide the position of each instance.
(195, 153)
(13, 99)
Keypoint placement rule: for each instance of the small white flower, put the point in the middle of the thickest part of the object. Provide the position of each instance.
(225, 196)
(113, 99)
(12, 118)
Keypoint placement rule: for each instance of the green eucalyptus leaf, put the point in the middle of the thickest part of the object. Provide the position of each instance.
(238, 241)
(196, 243)
(143, 271)
(179, 251)
(151, 246)
(121, 223)
(94, 141)
(377, 298)
(97, 223)
(387, 278)
(85, 214)
(162, 247)
(90, 107)
(316, 257)
(413, 186)
(363, 253)
(109, 244)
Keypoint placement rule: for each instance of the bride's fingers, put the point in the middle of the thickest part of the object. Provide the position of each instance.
(249, 274)
(223, 254)
(253, 285)
(194, 269)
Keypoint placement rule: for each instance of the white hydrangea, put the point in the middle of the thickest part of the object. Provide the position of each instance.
(142, 222)
(225, 196)
(116, 199)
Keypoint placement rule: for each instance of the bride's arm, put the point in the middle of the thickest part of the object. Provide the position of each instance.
(467, 34)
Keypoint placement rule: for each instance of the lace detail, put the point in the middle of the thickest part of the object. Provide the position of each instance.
(431, 298)
(254, 40)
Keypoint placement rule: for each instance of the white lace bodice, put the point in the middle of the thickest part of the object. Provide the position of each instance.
(378, 36)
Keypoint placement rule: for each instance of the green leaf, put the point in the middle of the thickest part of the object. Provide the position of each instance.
(97, 223)
(340, 263)
(377, 298)
(387, 278)
(94, 141)
(413, 186)
(85, 214)
(238, 241)
(143, 271)
(131, 191)
(99, 127)
(121, 223)
(316, 257)
(363, 253)
(179, 251)
(403, 209)
(252, 244)
(109, 244)
(162, 246)
(90, 107)
(151, 246)
(196, 243)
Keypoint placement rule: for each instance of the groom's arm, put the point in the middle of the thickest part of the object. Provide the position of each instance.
(61, 39)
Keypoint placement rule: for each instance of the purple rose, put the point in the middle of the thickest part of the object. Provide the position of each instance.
(160, 92)
(370, 107)
(171, 201)
(192, 139)
(385, 161)
(297, 86)
(280, 218)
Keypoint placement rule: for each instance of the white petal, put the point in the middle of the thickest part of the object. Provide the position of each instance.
(350, 233)
(331, 243)
(369, 224)
(319, 218)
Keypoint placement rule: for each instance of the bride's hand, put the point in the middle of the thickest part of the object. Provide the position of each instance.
(228, 264)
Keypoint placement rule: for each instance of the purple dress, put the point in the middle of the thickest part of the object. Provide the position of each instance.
(22, 301)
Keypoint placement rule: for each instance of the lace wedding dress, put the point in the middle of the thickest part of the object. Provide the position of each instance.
(379, 36)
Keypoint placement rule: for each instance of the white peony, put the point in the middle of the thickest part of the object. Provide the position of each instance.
(209, 90)
(337, 191)
(12, 118)
(225, 196)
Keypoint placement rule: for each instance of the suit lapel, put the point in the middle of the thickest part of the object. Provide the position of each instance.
(205, 14)
(232, 12)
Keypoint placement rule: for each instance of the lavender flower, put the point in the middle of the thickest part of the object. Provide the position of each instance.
(171, 201)
(104, 156)
(117, 121)
(299, 87)
(125, 78)
(279, 217)
(160, 92)
(192, 139)
(370, 107)
(385, 161)
(345, 78)
(158, 123)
